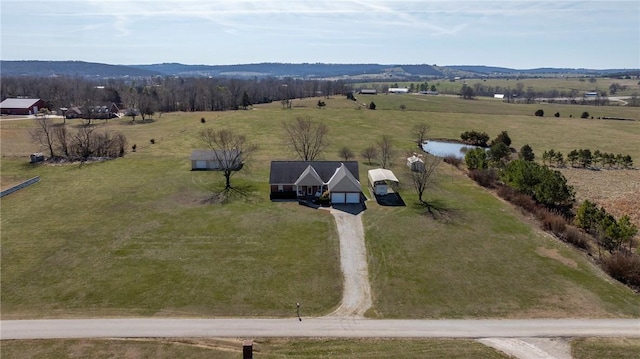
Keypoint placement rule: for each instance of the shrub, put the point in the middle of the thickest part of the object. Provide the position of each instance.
(539, 113)
(502, 137)
(547, 186)
(475, 138)
(553, 222)
(517, 198)
(577, 237)
(624, 267)
(372, 106)
(202, 120)
(557, 114)
(476, 159)
(526, 153)
(585, 115)
(453, 160)
(484, 177)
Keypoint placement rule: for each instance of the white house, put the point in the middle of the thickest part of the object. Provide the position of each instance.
(398, 90)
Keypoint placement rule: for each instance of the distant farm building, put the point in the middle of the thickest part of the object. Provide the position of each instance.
(21, 106)
(591, 94)
(398, 90)
(498, 95)
(368, 92)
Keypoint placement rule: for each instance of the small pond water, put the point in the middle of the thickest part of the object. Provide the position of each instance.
(446, 149)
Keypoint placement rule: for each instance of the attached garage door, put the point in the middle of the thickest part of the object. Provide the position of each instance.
(201, 164)
(353, 197)
(337, 198)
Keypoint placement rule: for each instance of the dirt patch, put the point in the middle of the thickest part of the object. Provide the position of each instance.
(553, 254)
(617, 191)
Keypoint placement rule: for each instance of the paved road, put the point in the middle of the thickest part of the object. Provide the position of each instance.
(317, 327)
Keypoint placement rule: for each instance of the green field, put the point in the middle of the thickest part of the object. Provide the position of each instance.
(263, 348)
(582, 348)
(562, 84)
(136, 236)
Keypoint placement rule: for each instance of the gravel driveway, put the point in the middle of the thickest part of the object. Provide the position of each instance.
(356, 298)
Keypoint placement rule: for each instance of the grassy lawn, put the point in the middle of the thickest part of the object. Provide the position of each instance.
(136, 236)
(263, 348)
(479, 259)
(594, 348)
(562, 84)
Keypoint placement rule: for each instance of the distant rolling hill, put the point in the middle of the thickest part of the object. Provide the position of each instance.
(268, 69)
(71, 68)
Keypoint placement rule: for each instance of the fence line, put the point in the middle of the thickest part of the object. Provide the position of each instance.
(20, 186)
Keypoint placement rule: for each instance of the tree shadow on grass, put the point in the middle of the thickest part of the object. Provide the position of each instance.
(226, 195)
(439, 210)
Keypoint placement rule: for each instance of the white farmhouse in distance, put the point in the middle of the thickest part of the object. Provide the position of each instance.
(398, 90)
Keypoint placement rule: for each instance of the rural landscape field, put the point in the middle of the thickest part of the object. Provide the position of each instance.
(141, 236)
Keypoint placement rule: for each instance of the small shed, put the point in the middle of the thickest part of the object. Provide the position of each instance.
(379, 179)
(415, 163)
(215, 160)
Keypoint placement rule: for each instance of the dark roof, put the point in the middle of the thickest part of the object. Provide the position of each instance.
(210, 155)
(289, 171)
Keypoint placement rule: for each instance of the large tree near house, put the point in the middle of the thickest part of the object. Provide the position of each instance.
(306, 137)
(230, 149)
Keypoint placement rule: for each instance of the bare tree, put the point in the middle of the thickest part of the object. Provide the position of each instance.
(43, 134)
(83, 143)
(369, 153)
(230, 151)
(306, 137)
(346, 153)
(423, 178)
(420, 132)
(387, 153)
(63, 139)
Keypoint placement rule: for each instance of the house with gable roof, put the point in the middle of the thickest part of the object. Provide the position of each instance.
(310, 179)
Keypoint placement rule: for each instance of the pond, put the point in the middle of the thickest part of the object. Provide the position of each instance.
(446, 149)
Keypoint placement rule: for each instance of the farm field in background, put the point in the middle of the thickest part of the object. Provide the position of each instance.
(136, 236)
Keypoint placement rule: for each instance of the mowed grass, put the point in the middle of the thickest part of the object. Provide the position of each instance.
(595, 348)
(262, 348)
(562, 84)
(136, 236)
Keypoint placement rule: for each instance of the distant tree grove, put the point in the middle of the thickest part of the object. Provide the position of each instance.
(166, 94)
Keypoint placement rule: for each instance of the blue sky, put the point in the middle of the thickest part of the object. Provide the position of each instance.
(516, 34)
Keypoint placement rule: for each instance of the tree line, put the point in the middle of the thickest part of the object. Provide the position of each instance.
(166, 94)
(585, 158)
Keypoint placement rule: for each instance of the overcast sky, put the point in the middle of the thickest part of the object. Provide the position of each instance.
(517, 34)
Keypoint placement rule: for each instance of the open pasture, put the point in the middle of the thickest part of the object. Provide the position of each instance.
(137, 236)
(543, 84)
